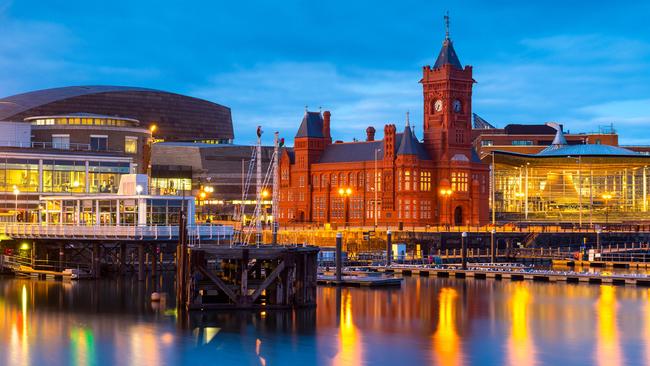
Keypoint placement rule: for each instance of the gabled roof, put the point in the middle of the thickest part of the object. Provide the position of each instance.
(311, 125)
(447, 56)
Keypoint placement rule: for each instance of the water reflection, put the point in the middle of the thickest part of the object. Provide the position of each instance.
(446, 342)
(349, 338)
(428, 320)
(607, 344)
(521, 349)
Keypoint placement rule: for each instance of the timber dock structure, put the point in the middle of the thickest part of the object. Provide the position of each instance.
(246, 277)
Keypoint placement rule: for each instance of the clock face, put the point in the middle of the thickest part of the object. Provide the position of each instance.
(437, 105)
(457, 106)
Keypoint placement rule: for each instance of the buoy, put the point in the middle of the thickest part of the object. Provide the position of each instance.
(155, 296)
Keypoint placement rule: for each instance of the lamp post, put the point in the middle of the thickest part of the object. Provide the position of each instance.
(598, 231)
(445, 193)
(345, 193)
(375, 187)
(207, 190)
(463, 254)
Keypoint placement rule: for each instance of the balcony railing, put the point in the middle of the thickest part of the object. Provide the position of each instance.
(195, 233)
(70, 146)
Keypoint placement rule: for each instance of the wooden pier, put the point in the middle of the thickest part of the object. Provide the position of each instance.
(247, 277)
(515, 275)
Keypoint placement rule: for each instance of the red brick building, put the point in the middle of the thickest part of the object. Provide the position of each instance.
(398, 179)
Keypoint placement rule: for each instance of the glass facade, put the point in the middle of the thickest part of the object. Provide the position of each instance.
(571, 189)
(171, 186)
(60, 175)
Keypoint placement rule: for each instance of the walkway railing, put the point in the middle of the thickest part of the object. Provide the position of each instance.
(166, 232)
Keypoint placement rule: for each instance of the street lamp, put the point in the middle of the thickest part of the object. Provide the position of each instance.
(345, 193)
(598, 231)
(607, 197)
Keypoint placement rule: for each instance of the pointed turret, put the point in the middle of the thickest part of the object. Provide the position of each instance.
(311, 125)
(447, 55)
(409, 145)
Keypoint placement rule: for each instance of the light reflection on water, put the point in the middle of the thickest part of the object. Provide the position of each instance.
(427, 321)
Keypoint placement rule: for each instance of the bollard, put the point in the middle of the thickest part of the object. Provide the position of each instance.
(389, 247)
(463, 240)
(339, 254)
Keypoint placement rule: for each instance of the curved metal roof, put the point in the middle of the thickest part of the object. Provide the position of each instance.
(19, 103)
(588, 150)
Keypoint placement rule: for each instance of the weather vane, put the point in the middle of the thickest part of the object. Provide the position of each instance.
(447, 25)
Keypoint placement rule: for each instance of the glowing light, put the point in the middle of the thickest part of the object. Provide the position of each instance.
(446, 342)
(16, 190)
(153, 128)
(138, 189)
(521, 350)
(75, 184)
(350, 352)
(202, 195)
(445, 192)
(265, 193)
(24, 246)
(607, 347)
(82, 344)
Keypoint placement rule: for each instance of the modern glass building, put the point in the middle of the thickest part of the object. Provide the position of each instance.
(26, 175)
(582, 184)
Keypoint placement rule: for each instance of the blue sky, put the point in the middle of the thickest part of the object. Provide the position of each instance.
(583, 64)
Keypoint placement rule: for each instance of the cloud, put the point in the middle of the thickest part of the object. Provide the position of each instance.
(275, 94)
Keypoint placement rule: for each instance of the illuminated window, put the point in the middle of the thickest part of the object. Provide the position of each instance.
(285, 174)
(407, 180)
(459, 181)
(130, 145)
(301, 181)
(425, 181)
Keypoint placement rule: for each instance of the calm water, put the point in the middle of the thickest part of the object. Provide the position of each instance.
(427, 321)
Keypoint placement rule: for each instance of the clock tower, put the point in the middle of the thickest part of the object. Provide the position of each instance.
(447, 89)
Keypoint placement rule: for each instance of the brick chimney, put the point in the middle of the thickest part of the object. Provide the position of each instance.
(389, 142)
(370, 133)
(326, 126)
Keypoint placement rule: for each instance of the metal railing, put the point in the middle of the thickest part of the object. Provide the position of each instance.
(167, 232)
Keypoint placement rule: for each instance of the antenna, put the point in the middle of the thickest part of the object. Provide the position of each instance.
(447, 25)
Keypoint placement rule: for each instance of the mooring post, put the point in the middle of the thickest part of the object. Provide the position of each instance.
(140, 262)
(492, 254)
(339, 254)
(463, 254)
(389, 247)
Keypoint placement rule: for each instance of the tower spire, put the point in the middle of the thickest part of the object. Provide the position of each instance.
(407, 119)
(447, 25)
